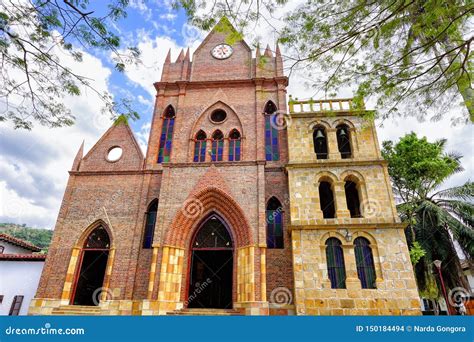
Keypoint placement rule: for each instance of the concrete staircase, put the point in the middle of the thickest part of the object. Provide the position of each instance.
(205, 312)
(76, 310)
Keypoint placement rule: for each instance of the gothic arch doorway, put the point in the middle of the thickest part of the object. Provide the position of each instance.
(211, 266)
(90, 273)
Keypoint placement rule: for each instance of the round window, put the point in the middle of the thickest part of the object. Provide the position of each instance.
(218, 116)
(114, 154)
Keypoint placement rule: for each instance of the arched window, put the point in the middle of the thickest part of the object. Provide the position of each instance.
(274, 223)
(335, 263)
(150, 221)
(352, 198)
(217, 146)
(320, 143)
(235, 142)
(166, 137)
(200, 147)
(271, 133)
(343, 141)
(365, 263)
(326, 200)
(97, 239)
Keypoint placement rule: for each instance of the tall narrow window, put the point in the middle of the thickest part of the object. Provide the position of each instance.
(16, 306)
(217, 146)
(235, 142)
(343, 141)
(320, 143)
(352, 198)
(200, 147)
(166, 137)
(271, 133)
(365, 263)
(150, 221)
(274, 223)
(335, 263)
(326, 200)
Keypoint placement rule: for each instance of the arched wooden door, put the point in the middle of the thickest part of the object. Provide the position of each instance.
(90, 273)
(211, 266)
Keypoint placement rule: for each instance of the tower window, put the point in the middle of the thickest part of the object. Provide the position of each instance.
(320, 143)
(166, 137)
(365, 263)
(217, 146)
(335, 263)
(343, 141)
(274, 218)
(326, 200)
(200, 147)
(272, 152)
(352, 198)
(235, 142)
(150, 221)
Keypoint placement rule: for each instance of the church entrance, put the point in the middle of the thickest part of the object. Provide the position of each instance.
(91, 271)
(210, 281)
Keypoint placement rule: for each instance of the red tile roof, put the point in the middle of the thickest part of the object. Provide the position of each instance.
(19, 242)
(23, 257)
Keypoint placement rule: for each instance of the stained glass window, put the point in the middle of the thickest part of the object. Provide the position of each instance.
(335, 263)
(200, 147)
(365, 263)
(234, 145)
(150, 222)
(274, 223)
(166, 137)
(217, 146)
(98, 239)
(271, 133)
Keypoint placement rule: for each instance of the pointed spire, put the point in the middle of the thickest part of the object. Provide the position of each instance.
(278, 61)
(257, 51)
(78, 158)
(277, 50)
(268, 52)
(187, 58)
(168, 57)
(180, 57)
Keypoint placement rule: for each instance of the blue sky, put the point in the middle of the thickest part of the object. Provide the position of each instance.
(34, 164)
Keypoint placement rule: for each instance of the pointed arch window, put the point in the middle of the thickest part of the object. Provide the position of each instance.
(217, 146)
(343, 141)
(150, 221)
(274, 218)
(97, 239)
(200, 147)
(272, 152)
(365, 263)
(352, 198)
(326, 200)
(335, 263)
(166, 137)
(320, 143)
(235, 142)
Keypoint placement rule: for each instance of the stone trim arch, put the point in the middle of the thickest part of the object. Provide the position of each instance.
(361, 187)
(346, 122)
(209, 199)
(320, 176)
(313, 124)
(85, 233)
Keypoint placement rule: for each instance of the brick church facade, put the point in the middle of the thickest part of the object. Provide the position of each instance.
(240, 205)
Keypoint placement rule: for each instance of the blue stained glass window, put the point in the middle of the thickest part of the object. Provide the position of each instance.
(271, 133)
(166, 137)
(234, 145)
(217, 146)
(335, 263)
(200, 147)
(365, 263)
(274, 218)
(150, 221)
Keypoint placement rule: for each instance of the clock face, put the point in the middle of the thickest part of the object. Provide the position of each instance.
(222, 51)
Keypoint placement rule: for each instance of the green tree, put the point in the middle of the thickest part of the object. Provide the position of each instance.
(34, 78)
(412, 53)
(435, 217)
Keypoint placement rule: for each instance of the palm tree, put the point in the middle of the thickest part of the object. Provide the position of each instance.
(440, 221)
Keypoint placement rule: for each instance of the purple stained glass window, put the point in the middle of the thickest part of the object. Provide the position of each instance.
(200, 147)
(234, 145)
(271, 133)
(217, 146)
(274, 217)
(166, 137)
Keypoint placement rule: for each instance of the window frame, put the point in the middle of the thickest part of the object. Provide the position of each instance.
(271, 134)
(149, 229)
(234, 145)
(199, 155)
(166, 135)
(335, 263)
(365, 271)
(15, 308)
(274, 217)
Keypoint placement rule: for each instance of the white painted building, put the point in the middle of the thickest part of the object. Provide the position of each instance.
(20, 271)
